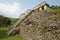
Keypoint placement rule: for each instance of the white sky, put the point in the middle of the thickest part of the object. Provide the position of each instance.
(10, 10)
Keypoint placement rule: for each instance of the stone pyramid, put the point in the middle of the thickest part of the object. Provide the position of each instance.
(38, 25)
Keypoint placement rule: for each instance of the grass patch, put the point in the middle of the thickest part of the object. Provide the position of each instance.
(4, 36)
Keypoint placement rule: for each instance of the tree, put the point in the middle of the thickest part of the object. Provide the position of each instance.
(4, 21)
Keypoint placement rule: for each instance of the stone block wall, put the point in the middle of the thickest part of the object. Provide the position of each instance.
(40, 26)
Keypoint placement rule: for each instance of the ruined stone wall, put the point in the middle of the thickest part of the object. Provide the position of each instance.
(40, 26)
(46, 7)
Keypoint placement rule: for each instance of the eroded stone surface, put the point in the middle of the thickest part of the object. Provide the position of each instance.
(41, 26)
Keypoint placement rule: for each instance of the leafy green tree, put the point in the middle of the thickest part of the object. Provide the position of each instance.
(55, 7)
(4, 21)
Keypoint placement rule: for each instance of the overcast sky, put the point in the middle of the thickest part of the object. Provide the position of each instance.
(13, 8)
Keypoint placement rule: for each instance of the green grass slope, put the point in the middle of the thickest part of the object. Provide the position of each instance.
(56, 10)
(4, 36)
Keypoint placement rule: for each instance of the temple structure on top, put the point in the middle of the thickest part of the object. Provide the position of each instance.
(41, 6)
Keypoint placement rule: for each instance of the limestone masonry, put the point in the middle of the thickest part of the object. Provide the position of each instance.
(38, 24)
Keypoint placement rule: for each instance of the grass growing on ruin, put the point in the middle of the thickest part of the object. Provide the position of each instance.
(4, 36)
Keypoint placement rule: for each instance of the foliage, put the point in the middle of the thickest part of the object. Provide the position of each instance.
(14, 20)
(4, 21)
(55, 7)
